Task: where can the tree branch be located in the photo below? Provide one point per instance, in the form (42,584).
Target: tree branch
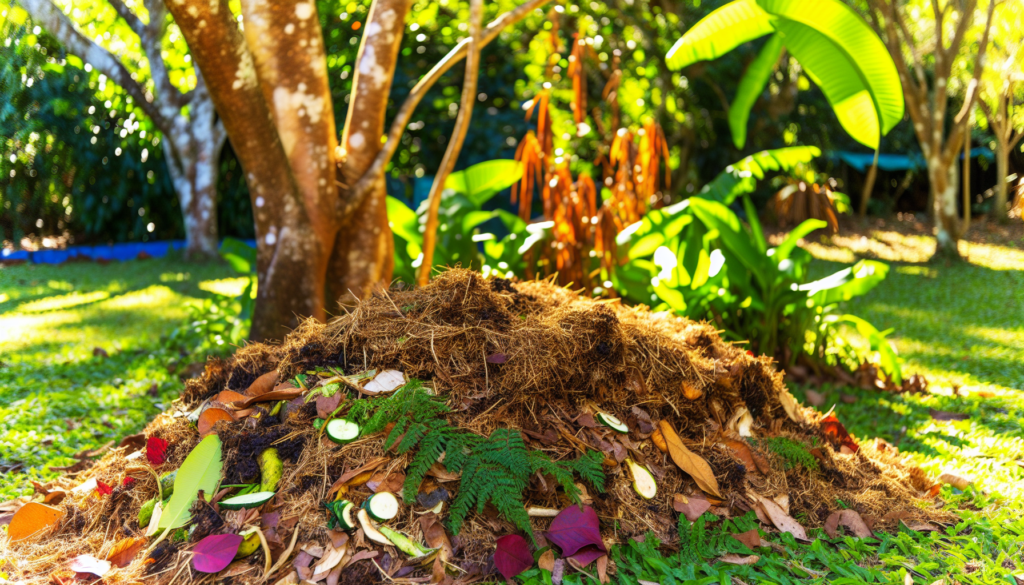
(451,154)
(972,88)
(398,125)
(46,14)
(124,12)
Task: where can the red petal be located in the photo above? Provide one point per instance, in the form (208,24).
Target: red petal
(156,450)
(104,489)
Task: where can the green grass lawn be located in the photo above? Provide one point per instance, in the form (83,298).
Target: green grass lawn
(960,325)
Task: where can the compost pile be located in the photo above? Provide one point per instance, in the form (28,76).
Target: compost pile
(635,416)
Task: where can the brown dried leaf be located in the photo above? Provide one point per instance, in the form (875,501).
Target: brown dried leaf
(848,519)
(435,536)
(743,453)
(735,559)
(326,405)
(781,519)
(210,417)
(793,409)
(750,539)
(125,550)
(957,481)
(263,384)
(689,461)
(229,396)
(282,392)
(815,399)
(602,569)
(690,506)
(348,475)
(380,482)
(547,560)
(659,441)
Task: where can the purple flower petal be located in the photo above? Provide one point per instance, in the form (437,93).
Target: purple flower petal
(574,529)
(215,552)
(512,555)
(497,358)
(587,555)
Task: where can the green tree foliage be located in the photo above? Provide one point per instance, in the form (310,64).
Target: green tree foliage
(76,156)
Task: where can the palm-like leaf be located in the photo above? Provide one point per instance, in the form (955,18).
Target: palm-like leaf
(836,48)
(751,86)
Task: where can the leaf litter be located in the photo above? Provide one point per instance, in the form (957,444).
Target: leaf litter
(698,413)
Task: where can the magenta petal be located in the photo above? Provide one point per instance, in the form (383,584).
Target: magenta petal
(574,529)
(512,555)
(497,358)
(587,555)
(215,552)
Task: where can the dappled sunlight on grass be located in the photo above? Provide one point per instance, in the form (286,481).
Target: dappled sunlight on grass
(230,287)
(59,302)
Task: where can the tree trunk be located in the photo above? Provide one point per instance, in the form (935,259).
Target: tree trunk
(942,178)
(999,212)
(869,186)
(966,194)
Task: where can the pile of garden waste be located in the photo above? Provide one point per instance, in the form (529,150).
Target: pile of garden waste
(445,434)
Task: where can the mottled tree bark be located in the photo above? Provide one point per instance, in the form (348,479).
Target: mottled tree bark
(289,283)
(1000,121)
(927,103)
(191,142)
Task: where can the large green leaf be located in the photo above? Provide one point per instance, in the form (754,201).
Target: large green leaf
(741,177)
(720,32)
(241,256)
(201,470)
(843,26)
(800,231)
(852,282)
(751,86)
(481,181)
(403,222)
(839,78)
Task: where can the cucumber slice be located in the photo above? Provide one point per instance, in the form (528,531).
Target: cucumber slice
(382,506)
(370,530)
(643,481)
(248,501)
(346,518)
(612,422)
(342,431)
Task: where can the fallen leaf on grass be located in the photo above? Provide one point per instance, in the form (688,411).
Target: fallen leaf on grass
(781,519)
(815,399)
(547,560)
(944,415)
(210,417)
(215,552)
(750,539)
(602,569)
(835,430)
(89,564)
(735,559)
(125,550)
(574,529)
(32,519)
(689,461)
(690,506)
(957,481)
(848,519)
(512,556)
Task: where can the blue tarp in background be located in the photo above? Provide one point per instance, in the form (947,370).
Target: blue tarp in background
(861,162)
(109,252)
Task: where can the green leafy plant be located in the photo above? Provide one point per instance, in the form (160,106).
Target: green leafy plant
(494,469)
(837,49)
(697,258)
(793,452)
(461,216)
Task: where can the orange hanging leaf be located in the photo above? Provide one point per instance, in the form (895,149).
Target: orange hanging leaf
(33,519)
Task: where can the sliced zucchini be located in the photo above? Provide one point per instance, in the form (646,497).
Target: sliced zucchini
(382,506)
(612,422)
(370,530)
(406,544)
(643,481)
(248,501)
(346,518)
(342,431)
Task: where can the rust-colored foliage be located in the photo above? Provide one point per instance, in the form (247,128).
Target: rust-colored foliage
(800,201)
(582,243)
